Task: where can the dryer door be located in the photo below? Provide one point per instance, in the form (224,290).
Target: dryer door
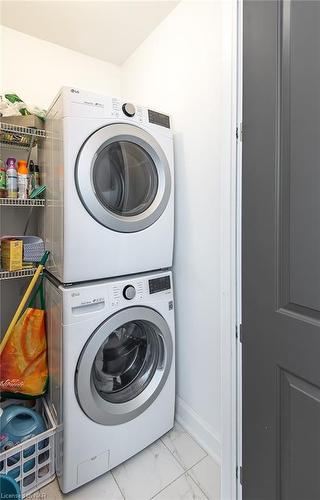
(123,177)
(124,365)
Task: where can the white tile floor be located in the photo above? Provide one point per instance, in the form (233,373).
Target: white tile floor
(173,468)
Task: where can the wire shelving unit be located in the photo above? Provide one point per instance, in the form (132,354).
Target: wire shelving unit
(21,273)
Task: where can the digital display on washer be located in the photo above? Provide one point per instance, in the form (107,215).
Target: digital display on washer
(159,118)
(159,284)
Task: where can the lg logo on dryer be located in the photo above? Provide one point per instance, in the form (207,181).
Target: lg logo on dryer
(75,91)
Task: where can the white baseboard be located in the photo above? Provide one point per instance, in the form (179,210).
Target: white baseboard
(198,428)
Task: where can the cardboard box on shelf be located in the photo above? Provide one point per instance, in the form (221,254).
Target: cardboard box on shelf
(11,254)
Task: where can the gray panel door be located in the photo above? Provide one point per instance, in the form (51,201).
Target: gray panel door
(281,251)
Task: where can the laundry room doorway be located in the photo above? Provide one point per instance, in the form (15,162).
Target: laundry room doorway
(141,176)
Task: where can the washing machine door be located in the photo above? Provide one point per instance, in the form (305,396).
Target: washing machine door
(123,177)
(124,365)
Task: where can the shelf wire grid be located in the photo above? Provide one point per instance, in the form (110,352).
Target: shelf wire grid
(21,273)
(17,136)
(15,202)
(18,129)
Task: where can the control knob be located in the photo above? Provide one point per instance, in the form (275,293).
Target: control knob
(129,109)
(129,292)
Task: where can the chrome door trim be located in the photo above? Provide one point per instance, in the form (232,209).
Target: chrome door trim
(93,405)
(86,157)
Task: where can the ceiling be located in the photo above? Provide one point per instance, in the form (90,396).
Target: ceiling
(107,30)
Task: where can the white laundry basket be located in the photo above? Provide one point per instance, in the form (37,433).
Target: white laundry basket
(43,470)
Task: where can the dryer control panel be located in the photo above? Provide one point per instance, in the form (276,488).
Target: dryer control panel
(121,109)
(77,103)
(138,113)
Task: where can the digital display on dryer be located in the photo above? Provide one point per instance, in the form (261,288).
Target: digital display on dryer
(158,118)
(159,284)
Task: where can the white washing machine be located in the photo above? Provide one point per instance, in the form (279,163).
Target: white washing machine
(112,343)
(108,168)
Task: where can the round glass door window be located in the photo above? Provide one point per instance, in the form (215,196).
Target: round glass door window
(125,178)
(126,362)
(124,365)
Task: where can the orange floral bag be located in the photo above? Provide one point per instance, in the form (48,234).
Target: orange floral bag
(23,361)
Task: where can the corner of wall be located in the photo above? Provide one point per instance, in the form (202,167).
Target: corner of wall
(198,428)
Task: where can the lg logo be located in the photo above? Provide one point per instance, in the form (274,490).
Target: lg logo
(75,91)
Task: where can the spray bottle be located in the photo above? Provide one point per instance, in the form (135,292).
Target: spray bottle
(12,178)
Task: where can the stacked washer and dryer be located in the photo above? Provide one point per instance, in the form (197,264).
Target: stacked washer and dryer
(109,224)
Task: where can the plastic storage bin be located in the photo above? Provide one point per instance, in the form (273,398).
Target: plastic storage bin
(33,248)
(16,461)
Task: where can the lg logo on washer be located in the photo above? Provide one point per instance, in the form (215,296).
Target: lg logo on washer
(75,91)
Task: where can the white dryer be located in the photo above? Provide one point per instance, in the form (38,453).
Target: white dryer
(112,343)
(108,168)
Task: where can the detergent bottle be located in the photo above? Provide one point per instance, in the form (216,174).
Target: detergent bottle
(23,180)
(18,424)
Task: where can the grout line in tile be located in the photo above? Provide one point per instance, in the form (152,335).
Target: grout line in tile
(200,488)
(194,439)
(185,473)
(186,432)
(171,482)
(198,462)
(186,470)
(179,477)
(198,484)
(121,492)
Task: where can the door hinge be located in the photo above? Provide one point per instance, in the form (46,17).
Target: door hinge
(239,474)
(239,132)
(241,333)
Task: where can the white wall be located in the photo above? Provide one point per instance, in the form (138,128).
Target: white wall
(179,70)
(36,69)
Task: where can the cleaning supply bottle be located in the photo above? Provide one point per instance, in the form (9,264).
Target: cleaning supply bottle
(36,176)
(12,178)
(23,180)
(3,180)
(31,183)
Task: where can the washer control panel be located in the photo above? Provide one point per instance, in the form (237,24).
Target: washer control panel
(134,291)
(126,292)
(129,292)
